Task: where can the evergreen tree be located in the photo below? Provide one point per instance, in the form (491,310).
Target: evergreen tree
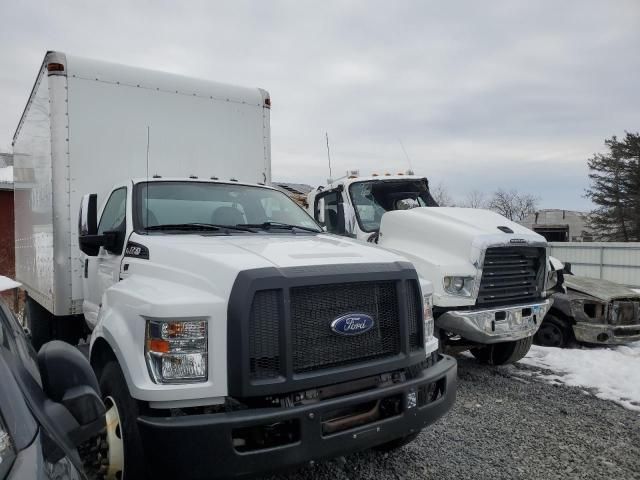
(615,190)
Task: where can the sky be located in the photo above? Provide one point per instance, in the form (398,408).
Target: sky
(482,95)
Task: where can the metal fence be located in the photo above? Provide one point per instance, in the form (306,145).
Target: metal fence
(615,261)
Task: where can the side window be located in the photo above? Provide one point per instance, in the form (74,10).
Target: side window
(326,211)
(113,216)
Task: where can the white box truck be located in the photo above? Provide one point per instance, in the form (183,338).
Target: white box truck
(230,335)
(491,276)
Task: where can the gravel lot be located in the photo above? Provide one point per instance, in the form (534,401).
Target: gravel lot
(506,425)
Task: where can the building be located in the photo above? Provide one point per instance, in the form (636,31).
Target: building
(559,225)
(7,256)
(297,191)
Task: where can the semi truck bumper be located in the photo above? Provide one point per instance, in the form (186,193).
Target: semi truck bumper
(606,334)
(503,324)
(228,444)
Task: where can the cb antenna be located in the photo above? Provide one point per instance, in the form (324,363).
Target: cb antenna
(326,134)
(406,155)
(146,222)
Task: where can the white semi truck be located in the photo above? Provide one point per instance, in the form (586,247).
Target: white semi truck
(230,335)
(490,275)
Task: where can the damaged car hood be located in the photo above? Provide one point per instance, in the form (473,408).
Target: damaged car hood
(601,289)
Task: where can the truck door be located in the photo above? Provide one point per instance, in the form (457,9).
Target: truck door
(328,211)
(103,270)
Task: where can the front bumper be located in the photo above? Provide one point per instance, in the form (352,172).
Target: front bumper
(200,446)
(606,334)
(495,325)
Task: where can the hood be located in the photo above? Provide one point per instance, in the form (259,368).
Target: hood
(601,289)
(452,232)
(273,250)
(203,261)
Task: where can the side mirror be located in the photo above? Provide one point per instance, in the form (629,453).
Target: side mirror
(69,380)
(567,268)
(88,225)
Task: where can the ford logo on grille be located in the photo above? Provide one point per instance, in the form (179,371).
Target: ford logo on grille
(352,324)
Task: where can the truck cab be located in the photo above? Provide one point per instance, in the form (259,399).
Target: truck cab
(211,297)
(489,274)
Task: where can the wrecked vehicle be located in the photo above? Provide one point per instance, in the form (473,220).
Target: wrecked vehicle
(591,311)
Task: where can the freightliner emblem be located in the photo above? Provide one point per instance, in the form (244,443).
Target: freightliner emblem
(352,324)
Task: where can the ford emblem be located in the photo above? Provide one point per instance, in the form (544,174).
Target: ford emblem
(352,324)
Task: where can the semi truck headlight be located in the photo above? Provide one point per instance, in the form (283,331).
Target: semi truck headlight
(177,351)
(455,285)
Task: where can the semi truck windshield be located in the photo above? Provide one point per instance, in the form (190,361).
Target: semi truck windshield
(183,204)
(372,199)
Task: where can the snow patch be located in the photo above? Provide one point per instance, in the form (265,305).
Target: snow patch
(7,283)
(611,373)
(6,175)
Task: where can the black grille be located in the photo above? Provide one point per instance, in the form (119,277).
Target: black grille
(414,314)
(313,308)
(511,275)
(264,335)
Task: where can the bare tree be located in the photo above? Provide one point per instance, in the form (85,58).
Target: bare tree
(441,195)
(475,199)
(513,204)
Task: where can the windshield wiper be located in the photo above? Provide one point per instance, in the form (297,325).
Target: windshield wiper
(286,226)
(197,227)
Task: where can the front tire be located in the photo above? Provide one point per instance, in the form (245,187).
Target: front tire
(124,453)
(554,332)
(503,353)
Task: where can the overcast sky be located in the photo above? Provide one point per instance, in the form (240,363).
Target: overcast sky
(483,95)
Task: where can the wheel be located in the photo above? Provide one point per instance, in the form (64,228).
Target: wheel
(38,322)
(397,443)
(121,454)
(503,353)
(554,332)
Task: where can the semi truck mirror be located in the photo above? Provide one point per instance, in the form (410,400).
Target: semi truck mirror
(88,240)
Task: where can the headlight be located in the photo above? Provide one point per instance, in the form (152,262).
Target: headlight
(177,351)
(462,286)
(430,342)
(7,452)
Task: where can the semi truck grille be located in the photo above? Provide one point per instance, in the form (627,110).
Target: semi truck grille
(312,345)
(511,275)
(316,346)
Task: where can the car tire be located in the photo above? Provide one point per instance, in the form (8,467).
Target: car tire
(397,443)
(128,445)
(503,353)
(554,332)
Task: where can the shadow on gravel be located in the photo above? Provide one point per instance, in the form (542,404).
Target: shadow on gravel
(504,426)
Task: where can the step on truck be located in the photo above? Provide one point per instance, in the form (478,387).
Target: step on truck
(490,275)
(229,334)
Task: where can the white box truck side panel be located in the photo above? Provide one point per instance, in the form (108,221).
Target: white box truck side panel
(34,196)
(195,128)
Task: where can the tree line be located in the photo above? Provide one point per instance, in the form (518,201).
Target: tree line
(614,190)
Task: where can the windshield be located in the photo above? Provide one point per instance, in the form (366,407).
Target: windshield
(372,199)
(203,203)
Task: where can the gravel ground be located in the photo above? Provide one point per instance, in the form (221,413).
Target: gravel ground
(506,425)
